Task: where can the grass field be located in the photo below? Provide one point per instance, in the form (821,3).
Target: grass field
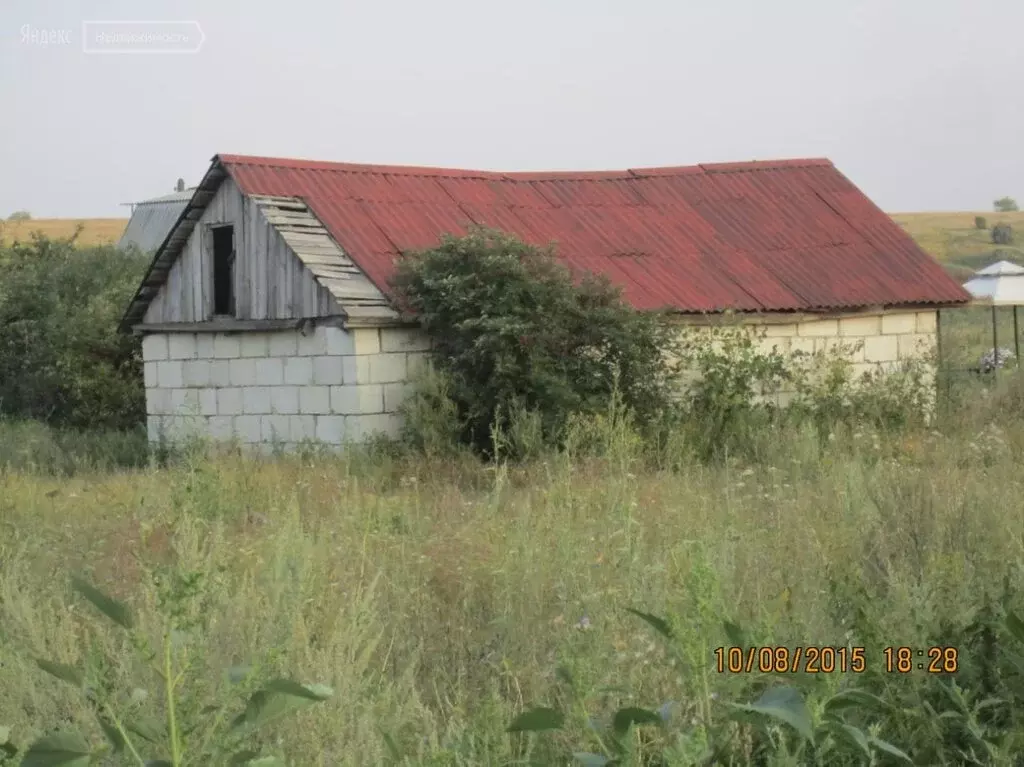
(95,231)
(438,599)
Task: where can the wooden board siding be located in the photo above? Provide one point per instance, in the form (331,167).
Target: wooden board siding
(270,281)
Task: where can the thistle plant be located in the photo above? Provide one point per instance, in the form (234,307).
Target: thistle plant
(180,732)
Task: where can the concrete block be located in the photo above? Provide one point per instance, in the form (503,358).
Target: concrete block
(220,373)
(314,344)
(822,327)
(253,344)
(283,343)
(403,340)
(359,428)
(243,372)
(220,427)
(330,429)
(355,370)
(298,371)
(284,399)
(154,427)
(248,428)
(869,325)
(339,341)
(801,345)
(881,349)
(916,345)
(270,372)
(396,393)
(415,362)
(149,374)
(226,347)
(387,368)
(184,401)
(181,346)
(328,371)
(927,322)
(196,372)
(169,374)
(315,400)
(275,428)
(898,324)
(207,401)
(366,341)
(356,399)
(158,401)
(256,400)
(301,428)
(154,347)
(771,330)
(768,344)
(204,346)
(229,401)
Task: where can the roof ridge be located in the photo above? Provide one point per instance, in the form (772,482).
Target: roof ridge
(548,175)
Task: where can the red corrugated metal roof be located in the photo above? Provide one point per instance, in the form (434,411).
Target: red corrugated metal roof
(756,236)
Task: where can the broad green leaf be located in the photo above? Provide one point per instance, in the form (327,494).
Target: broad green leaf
(889,748)
(591,760)
(1015,626)
(628,717)
(737,637)
(65,673)
(659,624)
(243,757)
(856,699)
(116,611)
(848,734)
(113,735)
(8,751)
(5,734)
(61,749)
(537,720)
(784,704)
(278,698)
(146,727)
(313,692)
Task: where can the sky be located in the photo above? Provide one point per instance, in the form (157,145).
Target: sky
(914,100)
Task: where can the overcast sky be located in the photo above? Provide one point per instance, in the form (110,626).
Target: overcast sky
(917,101)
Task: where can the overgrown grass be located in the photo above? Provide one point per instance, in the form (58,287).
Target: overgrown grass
(439,597)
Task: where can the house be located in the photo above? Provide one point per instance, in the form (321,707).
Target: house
(266,315)
(151,220)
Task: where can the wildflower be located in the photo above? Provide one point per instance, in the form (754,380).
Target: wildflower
(583,624)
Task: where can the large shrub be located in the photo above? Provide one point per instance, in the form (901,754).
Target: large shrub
(515,332)
(61,358)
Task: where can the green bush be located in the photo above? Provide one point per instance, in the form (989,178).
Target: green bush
(980,222)
(61,358)
(1002,234)
(514,333)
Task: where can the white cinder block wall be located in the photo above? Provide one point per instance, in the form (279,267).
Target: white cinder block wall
(279,387)
(872,342)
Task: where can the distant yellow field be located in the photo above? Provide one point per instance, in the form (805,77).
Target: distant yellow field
(951,237)
(95,231)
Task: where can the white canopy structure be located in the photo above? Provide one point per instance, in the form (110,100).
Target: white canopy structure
(1001,284)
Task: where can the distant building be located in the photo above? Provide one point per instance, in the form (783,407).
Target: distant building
(266,313)
(152,220)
